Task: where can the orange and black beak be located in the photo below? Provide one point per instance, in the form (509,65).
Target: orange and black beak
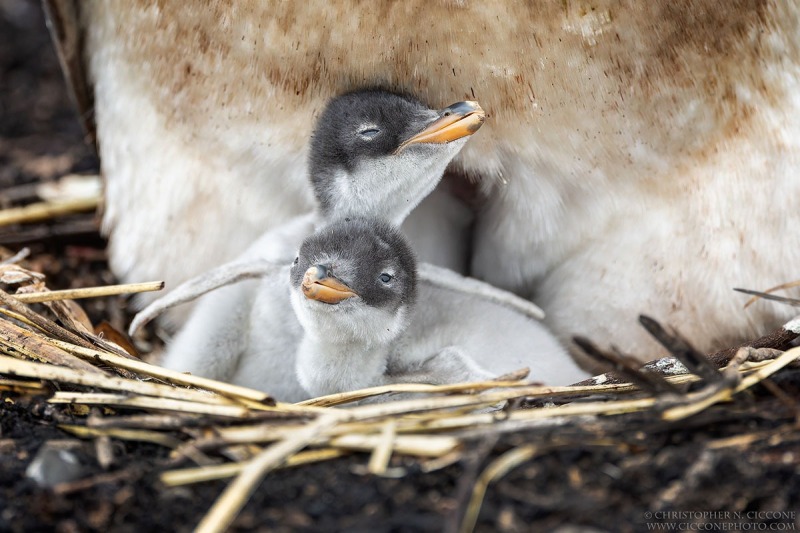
(458,120)
(318,284)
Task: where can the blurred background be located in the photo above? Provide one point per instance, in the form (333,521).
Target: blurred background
(44,159)
(40,137)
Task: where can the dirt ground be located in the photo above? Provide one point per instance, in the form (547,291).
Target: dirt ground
(624,473)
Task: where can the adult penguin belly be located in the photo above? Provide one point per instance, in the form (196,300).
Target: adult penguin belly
(636,158)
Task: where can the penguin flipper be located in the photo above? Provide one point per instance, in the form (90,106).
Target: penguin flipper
(227,274)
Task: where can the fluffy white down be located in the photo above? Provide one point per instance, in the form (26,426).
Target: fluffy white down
(494,338)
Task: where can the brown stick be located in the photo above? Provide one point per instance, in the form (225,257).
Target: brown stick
(626,368)
(27,343)
(54,329)
(46,210)
(89,292)
(778,339)
(41,322)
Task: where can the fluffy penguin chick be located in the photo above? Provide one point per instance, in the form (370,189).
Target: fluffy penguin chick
(365,323)
(353,286)
(349,313)
(378,154)
(373,153)
(261,345)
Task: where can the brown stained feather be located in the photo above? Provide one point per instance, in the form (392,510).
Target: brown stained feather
(686,54)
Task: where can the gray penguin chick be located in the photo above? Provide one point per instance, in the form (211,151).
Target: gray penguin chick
(366,322)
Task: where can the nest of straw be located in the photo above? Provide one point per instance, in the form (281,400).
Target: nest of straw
(52,352)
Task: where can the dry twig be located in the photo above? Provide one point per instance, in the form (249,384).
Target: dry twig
(89,292)
(46,210)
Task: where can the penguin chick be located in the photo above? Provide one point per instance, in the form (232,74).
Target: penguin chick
(365,322)
(261,334)
(353,286)
(378,154)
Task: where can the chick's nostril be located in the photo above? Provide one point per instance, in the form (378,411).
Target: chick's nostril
(322,271)
(462,108)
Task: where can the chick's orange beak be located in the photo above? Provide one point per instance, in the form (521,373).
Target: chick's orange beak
(319,285)
(458,120)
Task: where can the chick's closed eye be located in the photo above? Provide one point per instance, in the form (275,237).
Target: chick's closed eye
(369,133)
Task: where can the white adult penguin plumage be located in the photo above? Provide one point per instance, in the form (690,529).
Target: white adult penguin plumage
(345,315)
(639,156)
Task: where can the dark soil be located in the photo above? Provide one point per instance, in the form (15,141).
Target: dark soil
(607,474)
(618,473)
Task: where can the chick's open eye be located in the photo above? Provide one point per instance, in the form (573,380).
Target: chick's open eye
(369,133)
(296,260)
(385,278)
